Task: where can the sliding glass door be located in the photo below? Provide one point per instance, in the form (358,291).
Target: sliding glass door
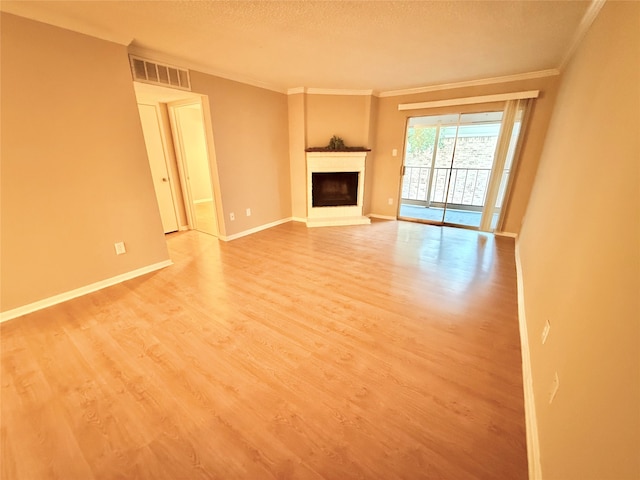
(457,167)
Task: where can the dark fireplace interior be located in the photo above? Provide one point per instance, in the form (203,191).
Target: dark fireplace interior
(334,189)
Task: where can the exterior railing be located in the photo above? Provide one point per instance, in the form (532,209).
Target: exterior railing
(467,186)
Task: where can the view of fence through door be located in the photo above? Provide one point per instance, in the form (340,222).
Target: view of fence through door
(457,166)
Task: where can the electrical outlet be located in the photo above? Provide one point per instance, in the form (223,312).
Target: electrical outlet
(394,152)
(554,387)
(390,201)
(248,212)
(545,331)
(120,248)
(232,216)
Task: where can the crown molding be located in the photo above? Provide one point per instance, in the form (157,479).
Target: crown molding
(472,83)
(586,22)
(330,91)
(163,57)
(337,91)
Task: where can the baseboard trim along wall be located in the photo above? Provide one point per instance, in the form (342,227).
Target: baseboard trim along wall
(78,292)
(254,230)
(382,217)
(533,442)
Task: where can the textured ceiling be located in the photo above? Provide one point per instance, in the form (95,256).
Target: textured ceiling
(379,45)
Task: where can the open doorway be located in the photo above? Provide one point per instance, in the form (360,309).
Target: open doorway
(179,152)
(187,126)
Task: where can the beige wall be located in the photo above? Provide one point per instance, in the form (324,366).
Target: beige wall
(297,159)
(371,116)
(250,132)
(343,115)
(391,135)
(580,249)
(75,175)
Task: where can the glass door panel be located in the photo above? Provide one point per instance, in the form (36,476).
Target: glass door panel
(471,166)
(457,166)
(428,144)
(418,159)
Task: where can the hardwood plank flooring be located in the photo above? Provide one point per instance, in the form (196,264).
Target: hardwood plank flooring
(205,220)
(384,351)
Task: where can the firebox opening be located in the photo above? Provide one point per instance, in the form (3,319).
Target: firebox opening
(334,189)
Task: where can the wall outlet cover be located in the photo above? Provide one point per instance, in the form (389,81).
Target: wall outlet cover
(120,248)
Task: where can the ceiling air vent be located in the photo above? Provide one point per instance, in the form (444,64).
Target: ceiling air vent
(147,71)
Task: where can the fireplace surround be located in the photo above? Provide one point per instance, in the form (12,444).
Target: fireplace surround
(335,188)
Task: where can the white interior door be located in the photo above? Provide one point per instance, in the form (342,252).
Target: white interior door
(158,163)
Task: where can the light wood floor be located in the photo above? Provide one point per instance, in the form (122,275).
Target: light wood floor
(205,221)
(378,352)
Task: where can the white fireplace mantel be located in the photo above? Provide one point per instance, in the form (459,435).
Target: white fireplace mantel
(325,162)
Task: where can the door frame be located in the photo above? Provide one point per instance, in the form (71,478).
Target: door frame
(183,168)
(504,107)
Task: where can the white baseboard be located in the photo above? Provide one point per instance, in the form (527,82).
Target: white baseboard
(299,219)
(78,292)
(533,441)
(337,221)
(382,217)
(254,230)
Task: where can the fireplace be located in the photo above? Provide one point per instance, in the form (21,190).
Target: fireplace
(335,188)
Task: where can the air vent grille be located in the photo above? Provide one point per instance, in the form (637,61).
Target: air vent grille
(148,71)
